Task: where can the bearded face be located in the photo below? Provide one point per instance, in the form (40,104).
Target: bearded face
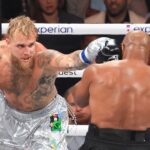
(117,7)
(24,67)
(22,49)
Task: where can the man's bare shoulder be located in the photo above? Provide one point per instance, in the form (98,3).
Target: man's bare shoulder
(106,65)
(40,47)
(103,69)
(4,51)
(45,56)
(43,50)
(3,45)
(92,70)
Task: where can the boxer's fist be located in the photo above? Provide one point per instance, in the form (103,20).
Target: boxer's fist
(89,54)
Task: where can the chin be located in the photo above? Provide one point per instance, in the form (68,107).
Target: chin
(26,66)
(22,66)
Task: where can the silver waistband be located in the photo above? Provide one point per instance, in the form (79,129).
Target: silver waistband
(39,113)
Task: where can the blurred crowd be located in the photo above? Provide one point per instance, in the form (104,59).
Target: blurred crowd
(76,11)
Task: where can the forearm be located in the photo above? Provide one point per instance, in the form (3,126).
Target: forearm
(70,61)
(80,99)
(57,61)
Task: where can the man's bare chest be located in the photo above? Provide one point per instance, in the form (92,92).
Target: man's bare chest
(20,83)
(16,82)
(40,83)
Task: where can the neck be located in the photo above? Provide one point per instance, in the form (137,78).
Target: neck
(137,57)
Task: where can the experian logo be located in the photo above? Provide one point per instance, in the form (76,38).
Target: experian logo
(144,28)
(55,30)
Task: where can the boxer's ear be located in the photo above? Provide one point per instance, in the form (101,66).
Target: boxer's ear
(123,49)
(7,39)
(122,46)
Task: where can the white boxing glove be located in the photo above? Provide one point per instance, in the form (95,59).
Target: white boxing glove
(88,55)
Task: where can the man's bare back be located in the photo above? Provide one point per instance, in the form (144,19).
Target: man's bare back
(120,95)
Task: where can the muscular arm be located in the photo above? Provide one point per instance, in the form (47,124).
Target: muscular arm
(51,59)
(80,91)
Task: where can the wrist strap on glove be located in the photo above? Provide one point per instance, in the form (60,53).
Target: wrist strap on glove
(83,57)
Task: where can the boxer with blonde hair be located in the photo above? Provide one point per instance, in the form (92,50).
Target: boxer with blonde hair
(32,114)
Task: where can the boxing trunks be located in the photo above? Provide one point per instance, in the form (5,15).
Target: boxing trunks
(44,129)
(116,139)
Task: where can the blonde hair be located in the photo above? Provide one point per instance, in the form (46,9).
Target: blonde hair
(23,25)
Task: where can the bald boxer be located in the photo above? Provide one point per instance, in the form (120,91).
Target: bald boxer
(32,115)
(118,94)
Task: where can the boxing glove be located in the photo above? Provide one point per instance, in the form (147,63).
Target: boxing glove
(88,55)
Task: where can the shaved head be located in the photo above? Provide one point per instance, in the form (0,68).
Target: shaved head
(140,35)
(136,45)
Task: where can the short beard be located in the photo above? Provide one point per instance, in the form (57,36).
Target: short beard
(20,68)
(118,13)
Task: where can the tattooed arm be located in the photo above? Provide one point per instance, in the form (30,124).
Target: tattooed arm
(76,60)
(52,59)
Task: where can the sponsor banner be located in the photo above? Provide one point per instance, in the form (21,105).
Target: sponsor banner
(86,29)
(80,29)
(138,27)
(71,74)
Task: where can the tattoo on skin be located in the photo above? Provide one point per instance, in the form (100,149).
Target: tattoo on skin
(72,63)
(2,46)
(44,59)
(78,64)
(44,87)
(18,79)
